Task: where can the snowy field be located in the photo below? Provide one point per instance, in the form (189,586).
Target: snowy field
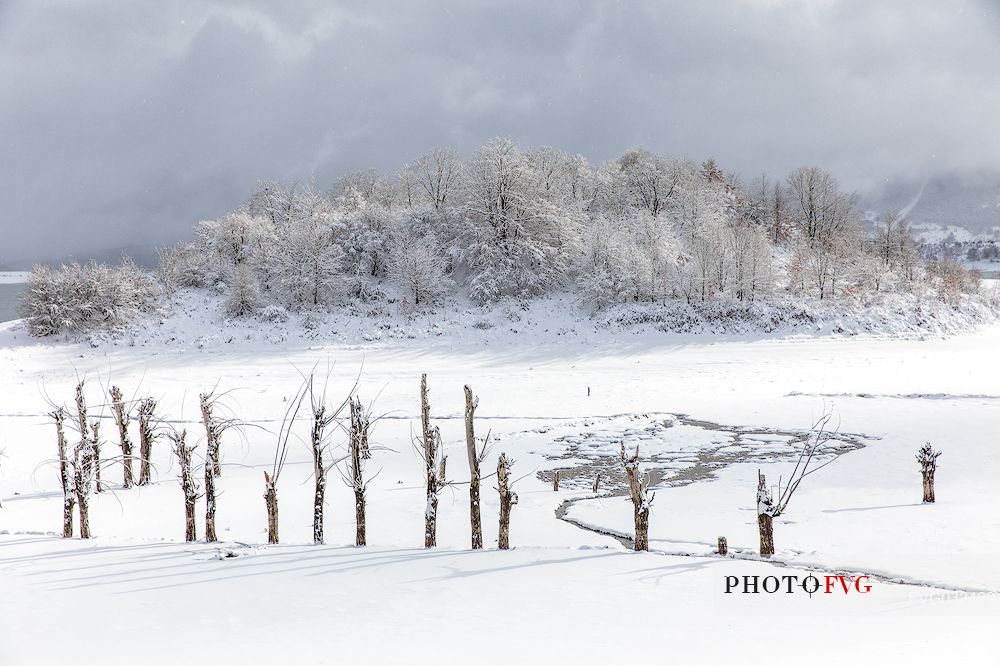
(706,411)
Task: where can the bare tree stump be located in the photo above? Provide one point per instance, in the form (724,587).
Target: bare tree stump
(508,499)
(189,485)
(555,481)
(765,519)
(434,462)
(359,445)
(146,437)
(927,457)
(65,478)
(474,456)
(597,484)
(723,546)
(271,500)
(122,417)
(642,498)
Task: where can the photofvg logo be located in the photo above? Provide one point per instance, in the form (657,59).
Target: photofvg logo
(839,584)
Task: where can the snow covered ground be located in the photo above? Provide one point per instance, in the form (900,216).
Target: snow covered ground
(137,594)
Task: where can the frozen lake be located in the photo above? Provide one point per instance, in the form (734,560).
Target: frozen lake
(9,295)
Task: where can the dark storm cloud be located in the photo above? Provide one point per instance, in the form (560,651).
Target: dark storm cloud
(123,123)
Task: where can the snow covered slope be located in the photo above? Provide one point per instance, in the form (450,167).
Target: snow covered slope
(135,593)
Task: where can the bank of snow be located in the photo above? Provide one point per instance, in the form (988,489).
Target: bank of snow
(196,318)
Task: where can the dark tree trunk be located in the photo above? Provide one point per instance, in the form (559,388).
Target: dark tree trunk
(65,478)
(189,486)
(271,500)
(640,498)
(765,521)
(211,435)
(723,546)
(508,499)
(121,416)
(765,524)
(210,534)
(597,483)
(431,448)
(555,481)
(82,468)
(928,478)
(358,445)
(473,453)
(146,437)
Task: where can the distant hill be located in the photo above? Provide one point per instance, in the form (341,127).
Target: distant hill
(144,255)
(958,207)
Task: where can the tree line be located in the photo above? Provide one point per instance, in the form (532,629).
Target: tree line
(517,223)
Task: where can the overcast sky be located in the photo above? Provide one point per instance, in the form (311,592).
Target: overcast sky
(125,122)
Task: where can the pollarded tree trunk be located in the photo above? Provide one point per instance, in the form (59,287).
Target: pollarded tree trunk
(189,486)
(65,478)
(927,457)
(319,471)
(641,498)
(146,437)
(765,525)
(928,479)
(212,434)
(765,521)
(83,466)
(359,446)
(508,499)
(271,500)
(473,453)
(210,506)
(434,464)
(122,416)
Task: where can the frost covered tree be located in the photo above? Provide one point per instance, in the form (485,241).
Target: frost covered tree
(243,297)
(521,240)
(436,176)
(417,266)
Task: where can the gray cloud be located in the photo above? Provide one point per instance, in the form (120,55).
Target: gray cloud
(124,123)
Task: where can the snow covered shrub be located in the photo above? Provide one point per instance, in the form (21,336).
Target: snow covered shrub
(243,295)
(417,266)
(183,265)
(77,298)
(274,314)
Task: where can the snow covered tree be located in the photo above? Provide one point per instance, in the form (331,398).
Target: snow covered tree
(243,295)
(436,175)
(417,266)
(521,240)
